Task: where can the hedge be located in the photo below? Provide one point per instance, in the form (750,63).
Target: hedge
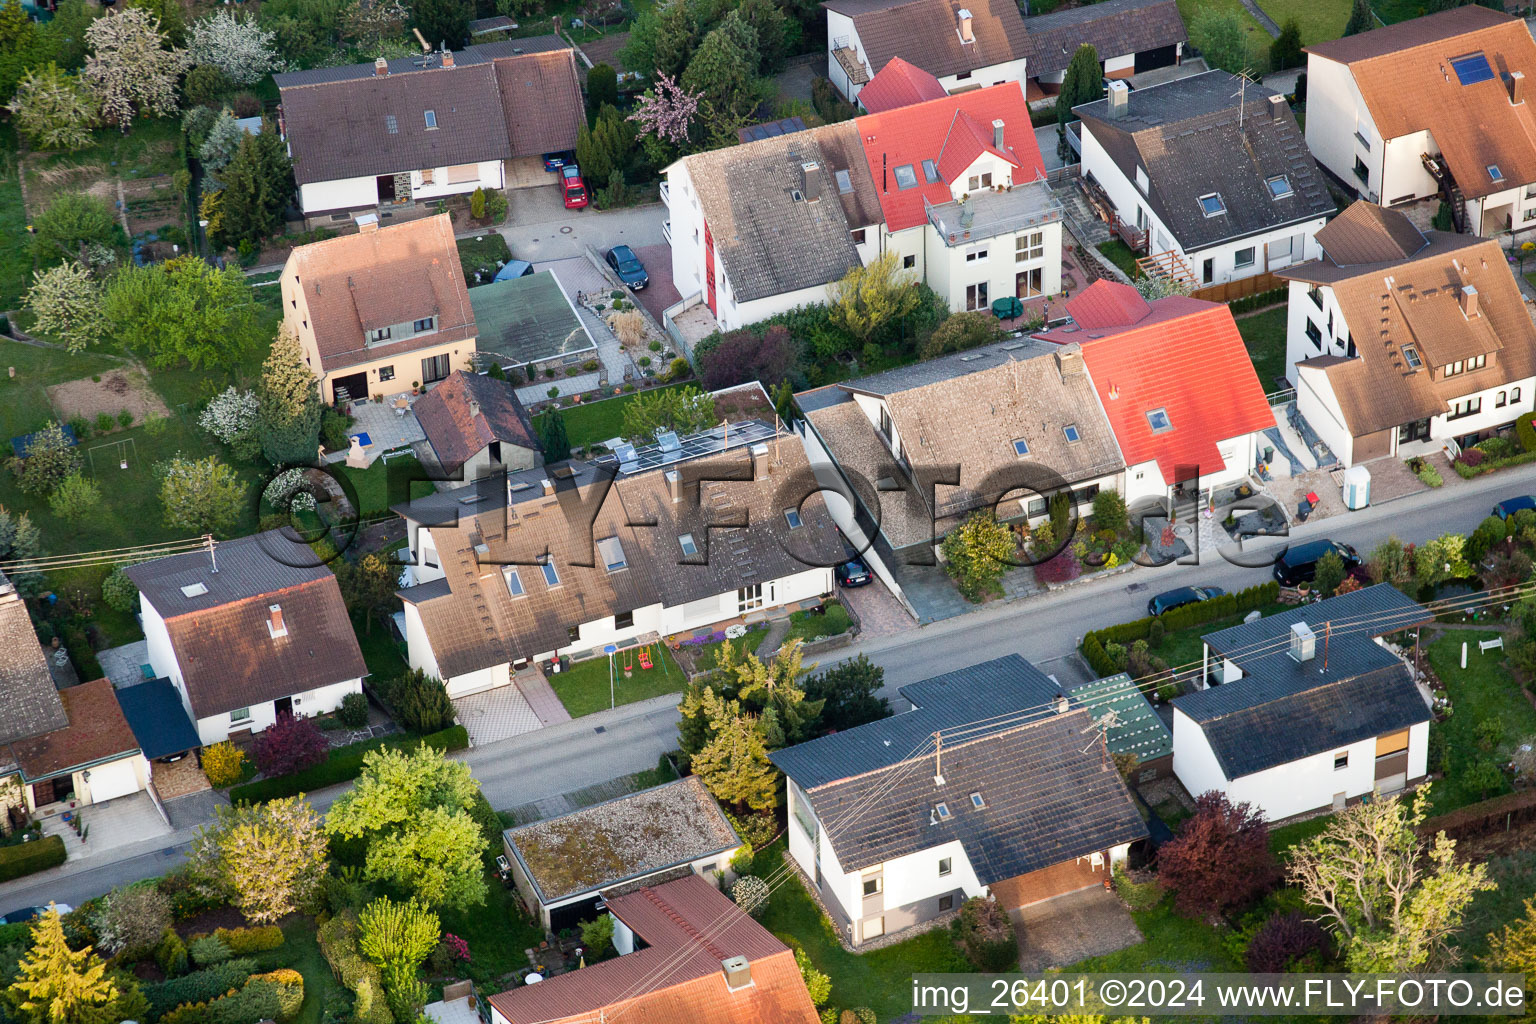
(1249,303)
(197,987)
(1525,431)
(247,940)
(344,765)
(259,999)
(18,934)
(1467,472)
(30,858)
(490,823)
(338,941)
(1127,633)
(1479,819)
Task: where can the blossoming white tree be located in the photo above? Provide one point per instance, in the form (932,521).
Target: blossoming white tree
(66,300)
(53,109)
(129,66)
(668,111)
(239,47)
(231,413)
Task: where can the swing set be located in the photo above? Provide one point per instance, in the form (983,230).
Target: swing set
(645,659)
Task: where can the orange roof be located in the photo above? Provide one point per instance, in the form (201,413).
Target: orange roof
(1107,303)
(1193,366)
(952,132)
(899,84)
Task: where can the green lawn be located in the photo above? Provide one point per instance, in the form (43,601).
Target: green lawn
(584,687)
(1121,256)
(1320,20)
(1184,648)
(381,652)
(15,256)
(497,934)
(707,653)
(1515,874)
(1258,39)
(1286,836)
(1171,943)
(1264,335)
(809,625)
(301,952)
(383,484)
(480,253)
(1393,11)
(1483,692)
(593,422)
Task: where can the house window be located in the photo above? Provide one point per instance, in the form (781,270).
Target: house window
(977,182)
(423,326)
(426,176)
(1029,282)
(1212,206)
(1501,400)
(908,262)
(977,801)
(906,177)
(1316,295)
(1141,179)
(1530,191)
(946,903)
(624,620)
(382,334)
(844,182)
(750,597)
(390,125)
(1158,420)
(1083,495)
(386,373)
(1315,333)
(873,886)
(1453,369)
(1279,186)
(885,424)
(239,715)
(976,296)
(1466,407)
(514,581)
(551,575)
(1494,174)
(573,634)
(792,517)
(689,547)
(1029,246)
(858,236)
(1529,215)
(1036,507)
(1020,447)
(1243,257)
(612,554)
(1341,761)
(1514,396)
(1362,172)
(1070,430)
(1411,356)
(976,255)
(930,172)
(434,368)
(945,866)
(1476,363)
(431,117)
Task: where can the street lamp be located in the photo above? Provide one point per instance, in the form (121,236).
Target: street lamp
(611,650)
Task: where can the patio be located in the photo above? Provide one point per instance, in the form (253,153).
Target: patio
(1070,928)
(385,426)
(125,665)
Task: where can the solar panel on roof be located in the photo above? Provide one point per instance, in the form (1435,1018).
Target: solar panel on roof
(1472,68)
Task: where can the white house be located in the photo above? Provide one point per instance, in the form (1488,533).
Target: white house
(1312,710)
(1210,192)
(658,542)
(248,630)
(1432,106)
(965,44)
(95,758)
(896,826)
(1399,341)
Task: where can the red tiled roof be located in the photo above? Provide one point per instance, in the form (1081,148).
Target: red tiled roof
(910,135)
(899,84)
(1193,365)
(1107,303)
(966,141)
(690,927)
(96,732)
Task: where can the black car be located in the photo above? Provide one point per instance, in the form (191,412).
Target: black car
(853,573)
(1171,599)
(628,266)
(1298,563)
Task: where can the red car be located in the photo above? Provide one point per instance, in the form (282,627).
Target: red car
(575,189)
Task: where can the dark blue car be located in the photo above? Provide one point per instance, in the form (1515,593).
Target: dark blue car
(627,265)
(853,573)
(1171,599)
(1509,506)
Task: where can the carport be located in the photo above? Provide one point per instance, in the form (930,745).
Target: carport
(159,720)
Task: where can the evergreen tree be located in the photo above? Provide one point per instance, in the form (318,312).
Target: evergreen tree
(591,156)
(1083,83)
(258,185)
(662,40)
(735,766)
(58,985)
(724,69)
(1285,51)
(1360,18)
(602,88)
(290,405)
(552,437)
(773,690)
(773,30)
(441,21)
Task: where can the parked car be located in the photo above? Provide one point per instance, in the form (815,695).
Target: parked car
(554,161)
(575,189)
(853,573)
(1298,563)
(1509,506)
(628,266)
(1177,598)
(26,914)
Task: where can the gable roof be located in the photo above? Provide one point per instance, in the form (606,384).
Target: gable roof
(29,702)
(899,84)
(1189,138)
(218,621)
(688,927)
(97,732)
(541,100)
(1186,358)
(466,412)
(927,32)
(1366,233)
(1113,28)
(1405,76)
(479,53)
(1108,304)
(391,275)
(924,131)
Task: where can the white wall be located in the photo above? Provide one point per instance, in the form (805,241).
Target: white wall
(162,656)
(1319,406)
(306,704)
(489,176)
(950,273)
(839,27)
(1441,427)
(1335,112)
(992,74)
(1333,331)
(341,194)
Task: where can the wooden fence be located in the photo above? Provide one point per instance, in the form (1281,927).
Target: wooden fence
(1239,289)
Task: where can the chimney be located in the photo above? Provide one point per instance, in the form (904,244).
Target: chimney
(1516,83)
(381,68)
(447,57)
(1069,360)
(760,462)
(1468,301)
(675,485)
(1277,107)
(1303,643)
(997,133)
(549,485)
(1063,705)
(738,972)
(1119,98)
(474,409)
(275,624)
(810,181)
(367,223)
(966,33)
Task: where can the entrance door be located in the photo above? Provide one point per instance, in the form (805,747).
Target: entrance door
(386,188)
(283,706)
(1027,284)
(1418,430)
(1208,270)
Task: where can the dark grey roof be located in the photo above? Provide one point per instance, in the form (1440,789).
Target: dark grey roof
(1114,28)
(480,53)
(949,367)
(158,718)
(1185,134)
(1007,686)
(247,567)
(29,703)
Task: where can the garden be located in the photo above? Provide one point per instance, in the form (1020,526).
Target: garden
(584,686)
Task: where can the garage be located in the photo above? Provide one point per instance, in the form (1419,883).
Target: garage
(1046,883)
(1157,57)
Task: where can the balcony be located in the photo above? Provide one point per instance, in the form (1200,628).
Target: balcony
(990,214)
(666,194)
(666,229)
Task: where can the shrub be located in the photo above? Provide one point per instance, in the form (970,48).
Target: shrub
(76,498)
(130,922)
(1471,457)
(199,986)
(857,1015)
(751,894)
(1220,858)
(289,984)
(1288,942)
(209,950)
(105,421)
(118,591)
(224,764)
(419,702)
(338,941)
(1061,567)
(333,430)
(353,712)
(986,935)
(250,940)
(259,999)
(1137,895)
(344,765)
(50,459)
(28,858)
(597,935)
(817,984)
(1525,431)
(291,744)
(171,954)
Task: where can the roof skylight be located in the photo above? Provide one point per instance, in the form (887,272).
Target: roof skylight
(906,176)
(1279,186)
(1212,206)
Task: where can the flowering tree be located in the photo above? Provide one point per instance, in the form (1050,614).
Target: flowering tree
(53,109)
(231,413)
(667,112)
(130,67)
(268,860)
(290,745)
(66,300)
(239,47)
(200,495)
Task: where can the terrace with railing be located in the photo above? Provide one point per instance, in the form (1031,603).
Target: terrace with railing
(998,212)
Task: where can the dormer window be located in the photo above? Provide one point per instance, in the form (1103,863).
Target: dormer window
(977,182)
(1279,186)
(382,334)
(423,326)
(612,553)
(1412,358)
(431,117)
(1212,206)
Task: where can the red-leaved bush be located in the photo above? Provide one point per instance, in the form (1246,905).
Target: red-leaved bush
(1059,568)
(1471,457)
(1220,858)
(1289,942)
(290,745)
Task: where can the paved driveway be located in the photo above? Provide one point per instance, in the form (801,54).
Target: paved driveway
(540,228)
(1064,930)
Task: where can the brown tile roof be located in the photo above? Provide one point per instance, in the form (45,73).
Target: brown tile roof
(926,32)
(29,702)
(466,412)
(377,125)
(393,275)
(1417,302)
(1405,76)
(1367,233)
(627,837)
(541,96)
(689,927)
(1113,28)
(97,731)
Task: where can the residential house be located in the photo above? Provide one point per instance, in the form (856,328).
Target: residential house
(686,953)
(528,323)
(954,187)
(381,312)
(1312,710)
(1212,187)
(899,84)
(1432,106)
(1016,419)
(393,134)
(93,759)
(684,535)
(1401,341)
(1130,36)
(564,865)
(984,788)
(477,427)
(965,44)
(248,630)
(1176,383)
